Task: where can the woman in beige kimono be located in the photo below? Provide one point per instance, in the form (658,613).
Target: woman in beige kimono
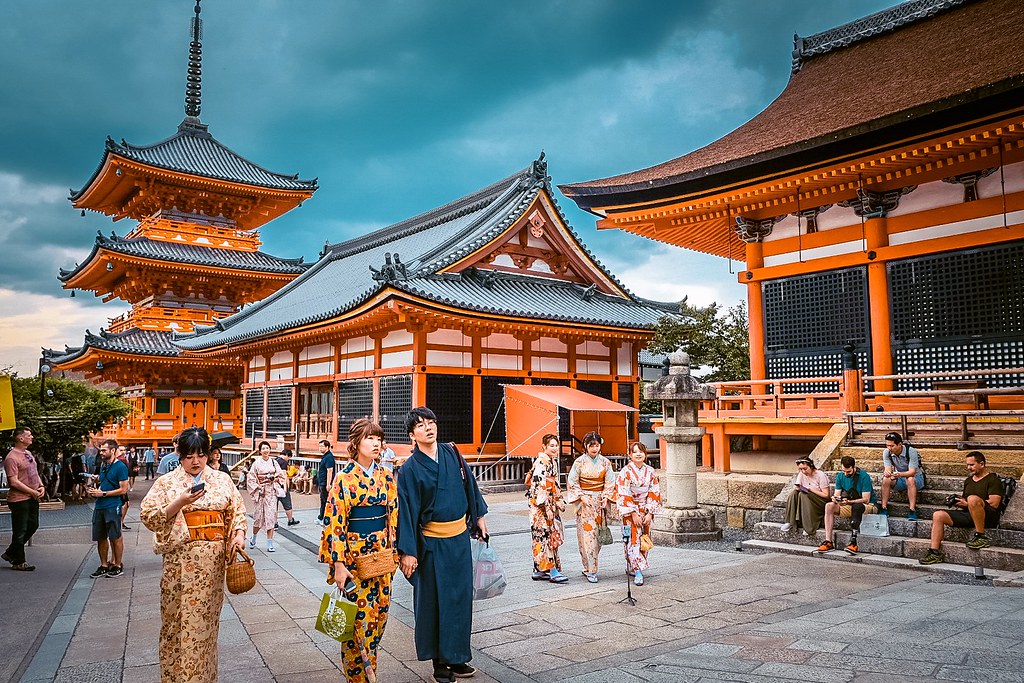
(198,519)
(546,505)
(265,480)
(591,485)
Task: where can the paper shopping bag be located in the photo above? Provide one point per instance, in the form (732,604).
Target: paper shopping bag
(336,617)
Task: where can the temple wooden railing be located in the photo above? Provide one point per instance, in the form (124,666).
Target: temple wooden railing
(962,429)
(815,396)
(794,397)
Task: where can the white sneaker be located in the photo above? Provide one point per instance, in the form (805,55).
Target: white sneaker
(252,543)
(270,547)
(785,527)
(804,532)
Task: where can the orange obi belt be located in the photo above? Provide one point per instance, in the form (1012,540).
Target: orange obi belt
(445,529)
(592,484)
(205,525)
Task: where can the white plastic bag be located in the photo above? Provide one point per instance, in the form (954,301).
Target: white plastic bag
(875,525)
(488,575)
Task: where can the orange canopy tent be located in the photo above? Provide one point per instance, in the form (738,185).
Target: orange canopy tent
(531,411)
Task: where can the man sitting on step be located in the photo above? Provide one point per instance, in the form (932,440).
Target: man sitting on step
(854,496)
(903,472)
(978,507)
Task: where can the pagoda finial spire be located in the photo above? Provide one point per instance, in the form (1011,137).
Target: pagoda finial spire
(194,86)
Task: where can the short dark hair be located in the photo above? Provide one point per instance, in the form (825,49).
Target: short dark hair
(261,444)
(194,441)
(894,437)
(847,461)
(592,437)
(977,455)
(806,461)
(361,429)
(18,431)
(325,442)
(547,437)
(286,453)
(110,443)
(417,415)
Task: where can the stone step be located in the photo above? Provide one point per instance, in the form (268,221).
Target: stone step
(996,556)
(1010,538)
(999,576)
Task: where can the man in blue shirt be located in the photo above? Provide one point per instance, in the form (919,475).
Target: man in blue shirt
(149,459)
(107,489)
(324,475)
(169,462)
(854,496)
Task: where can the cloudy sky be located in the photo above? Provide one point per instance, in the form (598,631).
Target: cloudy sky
(396,106)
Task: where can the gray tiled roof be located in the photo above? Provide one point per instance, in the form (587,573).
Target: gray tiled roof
(651,359)
(215,257)
(194,151)
(134,341)
(351,272)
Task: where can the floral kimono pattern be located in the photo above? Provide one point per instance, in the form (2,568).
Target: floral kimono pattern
(192,584)
(637,490)
(546,528)
(263,476)
(353,487)
(591,485)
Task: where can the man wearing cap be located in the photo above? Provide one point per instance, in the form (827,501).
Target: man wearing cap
(903,472)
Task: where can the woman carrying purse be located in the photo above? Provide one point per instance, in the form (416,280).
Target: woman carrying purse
(361,518)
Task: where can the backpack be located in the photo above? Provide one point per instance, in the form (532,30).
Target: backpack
(1009,488)
(920,463)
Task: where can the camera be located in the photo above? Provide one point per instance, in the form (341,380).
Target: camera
(951,500)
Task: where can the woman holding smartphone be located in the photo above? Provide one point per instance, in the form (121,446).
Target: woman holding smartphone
(806,504)
(198,519)
(361,518)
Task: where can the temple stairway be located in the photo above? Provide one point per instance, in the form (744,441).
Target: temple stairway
(910,539)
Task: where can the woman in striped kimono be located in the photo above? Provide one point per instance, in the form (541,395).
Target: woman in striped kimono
(546,505)
(638,498)
(264,481)
(591,485)
(361,517)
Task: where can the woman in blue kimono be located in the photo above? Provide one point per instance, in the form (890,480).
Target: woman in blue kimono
(439,506)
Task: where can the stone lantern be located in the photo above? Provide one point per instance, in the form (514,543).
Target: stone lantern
(681,521)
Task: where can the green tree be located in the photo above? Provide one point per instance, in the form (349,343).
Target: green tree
(716,339)
(59,422)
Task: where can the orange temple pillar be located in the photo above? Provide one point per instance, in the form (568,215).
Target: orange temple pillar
(755,313)
(878,300)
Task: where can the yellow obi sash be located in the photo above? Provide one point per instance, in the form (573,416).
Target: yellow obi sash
(445,529)
(592,484)
(205,525)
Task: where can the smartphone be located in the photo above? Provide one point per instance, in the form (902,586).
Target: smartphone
(198,487)
(350,589)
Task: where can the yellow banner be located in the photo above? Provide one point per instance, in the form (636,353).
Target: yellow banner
(6,403)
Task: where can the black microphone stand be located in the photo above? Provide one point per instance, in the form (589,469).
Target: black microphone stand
(629,599)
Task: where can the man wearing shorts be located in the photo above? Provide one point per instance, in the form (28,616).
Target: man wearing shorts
(854,496)
(107,489)
(903,472)
(977,508)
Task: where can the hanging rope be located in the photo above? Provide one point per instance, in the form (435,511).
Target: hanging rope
(1002,182)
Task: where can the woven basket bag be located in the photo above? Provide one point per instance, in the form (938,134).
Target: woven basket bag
(241,573)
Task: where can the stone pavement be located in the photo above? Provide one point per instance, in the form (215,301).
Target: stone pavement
(708,614)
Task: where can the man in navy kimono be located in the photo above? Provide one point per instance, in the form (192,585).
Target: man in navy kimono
(439,507)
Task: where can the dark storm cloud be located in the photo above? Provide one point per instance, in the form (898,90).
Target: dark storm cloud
(396,106)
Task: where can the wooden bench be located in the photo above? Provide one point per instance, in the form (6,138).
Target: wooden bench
(961,392)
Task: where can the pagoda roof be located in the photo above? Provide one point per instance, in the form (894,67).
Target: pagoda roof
(192,254)
(914,68)
(135,342)
(194,151)
(418,257)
